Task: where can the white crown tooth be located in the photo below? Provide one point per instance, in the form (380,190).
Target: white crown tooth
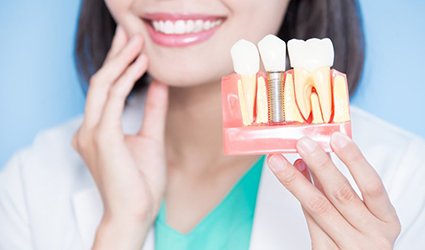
(311,54)
(246,60)
(179,27)
(155,25)
(161,26)
(168,27)
(327,52)
(207,25)
(296,51)
(198,25)
(273,53)
(190,26)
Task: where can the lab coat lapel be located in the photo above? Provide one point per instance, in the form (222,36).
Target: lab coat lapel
(88,212)
(279,222)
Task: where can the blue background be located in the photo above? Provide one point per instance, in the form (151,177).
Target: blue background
(39,87)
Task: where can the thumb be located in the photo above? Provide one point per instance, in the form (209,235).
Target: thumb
(155,113)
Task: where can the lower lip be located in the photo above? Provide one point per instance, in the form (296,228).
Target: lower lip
(180,40)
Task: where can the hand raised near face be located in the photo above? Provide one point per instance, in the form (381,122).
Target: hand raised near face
(129,170)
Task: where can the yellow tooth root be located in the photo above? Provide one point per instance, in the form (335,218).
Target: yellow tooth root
(341,100)
(242,103)
(315,106)
(249,83)
(303,89)
(323,85)
(320,80)
(292,113)
(262,105)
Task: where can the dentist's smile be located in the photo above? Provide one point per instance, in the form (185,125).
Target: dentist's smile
(180,30)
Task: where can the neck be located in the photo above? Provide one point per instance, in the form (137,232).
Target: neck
(194,124)
(194,131)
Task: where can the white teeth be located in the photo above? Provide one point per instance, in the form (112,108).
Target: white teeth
(190,26)
(156,25)
(199,24)
(180,27)
(168,27)
(273,53)
(246,60)
(311,54)
(184,26)
(207,25)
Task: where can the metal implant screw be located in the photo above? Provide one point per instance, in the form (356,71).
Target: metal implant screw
(275,89)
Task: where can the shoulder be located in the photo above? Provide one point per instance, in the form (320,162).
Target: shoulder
(51,152)
(49,167)
(36,190)
(399,158)
(397,155)
(384,143)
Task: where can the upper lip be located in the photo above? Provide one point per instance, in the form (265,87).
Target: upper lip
(155,16)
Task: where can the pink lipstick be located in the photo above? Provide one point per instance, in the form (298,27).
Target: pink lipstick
(180,30)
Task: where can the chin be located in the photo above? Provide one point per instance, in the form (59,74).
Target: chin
(189,74)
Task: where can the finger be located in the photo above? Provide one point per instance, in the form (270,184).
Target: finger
(155,112)
(104,78)
(111,118)
(119,41)
(316,181)
(315,203)
(319,239)
(367,179)
(334,184)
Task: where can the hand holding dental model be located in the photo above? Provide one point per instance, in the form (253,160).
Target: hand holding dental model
(338,217)
(276,112)
(265,113)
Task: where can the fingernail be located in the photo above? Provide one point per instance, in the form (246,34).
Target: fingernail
(307,145)
(339,140)
(300,165)
(276,162)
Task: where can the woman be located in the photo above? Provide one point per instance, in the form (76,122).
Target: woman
(161,181)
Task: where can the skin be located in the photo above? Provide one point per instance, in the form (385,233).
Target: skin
(177,154)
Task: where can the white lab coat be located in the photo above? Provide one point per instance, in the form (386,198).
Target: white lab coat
(48,199)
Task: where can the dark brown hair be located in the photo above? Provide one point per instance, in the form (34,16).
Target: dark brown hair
(337,19)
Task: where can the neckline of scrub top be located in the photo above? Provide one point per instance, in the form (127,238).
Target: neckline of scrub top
(254,172)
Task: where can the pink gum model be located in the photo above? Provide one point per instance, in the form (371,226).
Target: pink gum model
(259,139)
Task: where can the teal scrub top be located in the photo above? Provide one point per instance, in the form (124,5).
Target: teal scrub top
(227,226)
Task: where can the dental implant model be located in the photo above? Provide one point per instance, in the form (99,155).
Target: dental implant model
(269,112)
(273,53)
(247,64)
(312,61)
